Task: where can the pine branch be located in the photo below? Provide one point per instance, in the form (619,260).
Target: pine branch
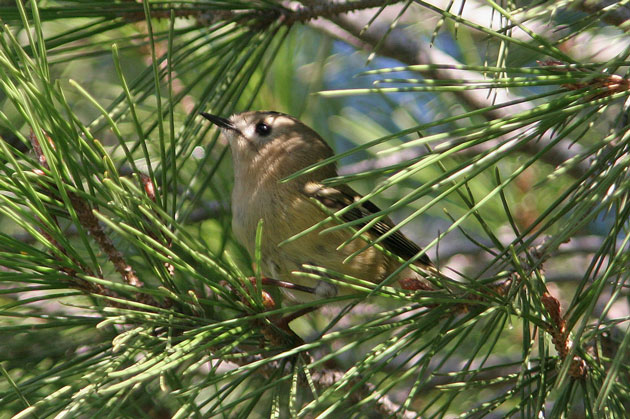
(258,19)
(560,336)
(328,10)
(89,221)
(410,343)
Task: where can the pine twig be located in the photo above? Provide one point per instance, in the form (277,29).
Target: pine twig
(560,336)
(88,220)
(259,19)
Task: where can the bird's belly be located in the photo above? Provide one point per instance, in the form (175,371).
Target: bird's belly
(282,261)
(321,250)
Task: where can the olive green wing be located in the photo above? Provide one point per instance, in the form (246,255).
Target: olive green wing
(336,198)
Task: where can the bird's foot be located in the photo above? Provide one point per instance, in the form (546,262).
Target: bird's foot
(279,332)
(415,284)
(283,284)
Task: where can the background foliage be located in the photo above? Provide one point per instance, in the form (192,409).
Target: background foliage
(495,134)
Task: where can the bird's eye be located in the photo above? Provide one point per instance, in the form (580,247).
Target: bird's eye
(263,129)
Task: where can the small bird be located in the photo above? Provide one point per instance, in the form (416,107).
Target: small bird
(269,146)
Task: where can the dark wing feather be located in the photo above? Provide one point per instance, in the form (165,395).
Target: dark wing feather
(341,196)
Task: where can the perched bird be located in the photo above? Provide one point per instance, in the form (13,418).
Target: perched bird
(268,147)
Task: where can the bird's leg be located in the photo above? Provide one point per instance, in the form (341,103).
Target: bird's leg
(283,322)
(279,332)
(283,284)
(267,300)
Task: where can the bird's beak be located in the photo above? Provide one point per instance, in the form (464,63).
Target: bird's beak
(220,122)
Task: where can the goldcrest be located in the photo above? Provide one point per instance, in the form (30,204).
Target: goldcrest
(266,148)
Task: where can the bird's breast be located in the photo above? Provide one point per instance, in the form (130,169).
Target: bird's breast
(277,207)
(286,213)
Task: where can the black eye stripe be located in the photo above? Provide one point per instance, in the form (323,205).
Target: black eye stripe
(263,129)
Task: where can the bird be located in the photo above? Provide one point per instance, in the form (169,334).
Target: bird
(269,146)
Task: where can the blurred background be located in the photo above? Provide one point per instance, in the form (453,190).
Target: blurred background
(495,134)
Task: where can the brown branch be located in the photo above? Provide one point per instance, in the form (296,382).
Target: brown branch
(609,11)
(77,283)
(261,18)
(88,220)
(332,9)
(44,163)
(560,336)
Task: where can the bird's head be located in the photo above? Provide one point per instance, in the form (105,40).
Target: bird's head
(277,140)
